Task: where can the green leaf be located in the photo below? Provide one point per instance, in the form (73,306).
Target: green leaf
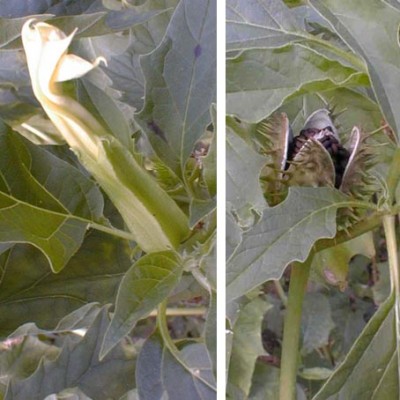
(23,351)
(78,365)
(180,83)
(20,357)
(17,9)
(44,201)
(159,374)
(372,360)
(199,209)
(378,45)
(191,380)
(210,160)
(263,24)
(211,331)
(88,24)
(10,27)
(233,234)
(12,62)
(30,292)
(243,168)
(259,81)
(246,346)
(381,289)
(350,109)
(316,322)
(148,282)
(332,264)
(148,369)
(124,67)
(265,383)
(285,233)
(106,109)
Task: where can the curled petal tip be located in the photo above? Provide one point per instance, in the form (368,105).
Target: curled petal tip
(100,60)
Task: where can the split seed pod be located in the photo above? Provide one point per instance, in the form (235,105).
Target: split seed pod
(275,138)
(316,157)
(314,153)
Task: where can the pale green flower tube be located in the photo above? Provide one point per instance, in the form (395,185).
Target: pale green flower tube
(155,220)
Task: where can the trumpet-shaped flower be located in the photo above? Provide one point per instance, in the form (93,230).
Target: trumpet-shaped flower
(154,219)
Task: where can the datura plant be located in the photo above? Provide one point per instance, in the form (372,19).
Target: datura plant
(154,219)
(313,157)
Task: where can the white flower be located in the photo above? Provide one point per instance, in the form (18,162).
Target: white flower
(49,64)
(155,220)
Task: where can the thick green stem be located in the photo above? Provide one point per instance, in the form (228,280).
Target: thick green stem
(391,244)
(291,335)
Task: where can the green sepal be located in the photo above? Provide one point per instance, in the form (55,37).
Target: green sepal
(152,216)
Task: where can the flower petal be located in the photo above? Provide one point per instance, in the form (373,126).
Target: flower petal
(71,66)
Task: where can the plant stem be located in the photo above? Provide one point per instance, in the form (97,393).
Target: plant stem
(391,244)
(112,231)
(291,334)
(366,225)
(393,177)
(163,328)
(182,312)
(281,292)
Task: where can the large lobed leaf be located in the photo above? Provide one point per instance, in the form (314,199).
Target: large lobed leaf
(28,346)
(285,233)
(124,67)
(243,168)
(259,24)
(361,26)
(180,83)
(29,291)
(44,201)
(78,365)
(260,80)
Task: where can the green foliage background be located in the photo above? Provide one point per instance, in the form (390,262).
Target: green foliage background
(297,57)
(83,332)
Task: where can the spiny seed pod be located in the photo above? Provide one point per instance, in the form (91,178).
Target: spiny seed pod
(357,182)
(316,157)
(275,139)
